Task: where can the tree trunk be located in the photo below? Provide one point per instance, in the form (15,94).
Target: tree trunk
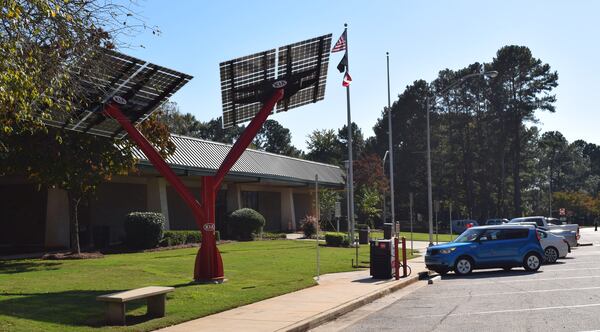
(517,167)
(75,247)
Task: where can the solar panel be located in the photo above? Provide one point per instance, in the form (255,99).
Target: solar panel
(108,74)
(247,82)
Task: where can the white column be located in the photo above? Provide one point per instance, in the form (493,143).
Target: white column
(288,217)
(57,219)
(156,197)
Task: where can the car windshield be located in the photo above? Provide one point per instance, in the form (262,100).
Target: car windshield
(469,235)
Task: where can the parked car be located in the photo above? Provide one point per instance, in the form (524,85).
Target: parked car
(554,246)
(495,221)
(543,222)
(459,226)
(481,247)
(570,236)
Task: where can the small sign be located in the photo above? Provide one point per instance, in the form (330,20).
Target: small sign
(562,212)
(119,100)
(338,209)
(209,227)
(279,84)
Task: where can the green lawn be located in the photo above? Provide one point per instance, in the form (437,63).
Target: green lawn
(38,295)
(418,236)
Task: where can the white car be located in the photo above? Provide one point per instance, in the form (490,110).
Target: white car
(554,246)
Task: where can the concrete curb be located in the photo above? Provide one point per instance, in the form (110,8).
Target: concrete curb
(342,309)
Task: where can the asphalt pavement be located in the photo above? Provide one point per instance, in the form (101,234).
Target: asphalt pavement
(559,297)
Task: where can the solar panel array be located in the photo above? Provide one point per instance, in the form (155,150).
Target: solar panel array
(144,86)
(246,82)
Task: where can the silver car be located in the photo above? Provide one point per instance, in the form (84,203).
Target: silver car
(570,236)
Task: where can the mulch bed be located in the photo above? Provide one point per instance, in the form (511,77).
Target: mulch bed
(68,255)
(117,250)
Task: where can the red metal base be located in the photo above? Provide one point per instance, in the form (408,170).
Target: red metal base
(209,265)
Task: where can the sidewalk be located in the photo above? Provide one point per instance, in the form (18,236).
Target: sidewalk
(335,295)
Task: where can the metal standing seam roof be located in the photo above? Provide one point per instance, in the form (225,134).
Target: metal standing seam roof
(193,154)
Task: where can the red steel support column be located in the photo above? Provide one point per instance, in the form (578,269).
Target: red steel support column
(246,138)
(156,159)
(404,272)
(208,265)
(396,259)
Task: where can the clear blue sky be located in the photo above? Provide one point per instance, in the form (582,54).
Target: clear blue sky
(422,37)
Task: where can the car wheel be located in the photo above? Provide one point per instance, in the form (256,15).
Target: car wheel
(532,262)
(508,268)
(551,255)
(463,266)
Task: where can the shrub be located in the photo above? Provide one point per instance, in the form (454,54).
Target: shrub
(336,240)
(309,226)
(269,236)
(143,230)
(175,238)
(244,222)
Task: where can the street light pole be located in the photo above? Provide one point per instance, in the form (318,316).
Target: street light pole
(383,166)
(429,193)
(391,148)
(429,104)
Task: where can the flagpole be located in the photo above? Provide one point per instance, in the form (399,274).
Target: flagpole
(350,159)
(391,148)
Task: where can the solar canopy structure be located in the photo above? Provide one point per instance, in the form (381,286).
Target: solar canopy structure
(247,82)
(124,91)
(110,74)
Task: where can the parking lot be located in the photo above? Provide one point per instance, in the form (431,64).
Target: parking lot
(563,296)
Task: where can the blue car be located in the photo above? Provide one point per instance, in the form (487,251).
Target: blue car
(483,247)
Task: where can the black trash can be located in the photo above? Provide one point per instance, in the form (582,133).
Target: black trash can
(363,235)
(381,259)
(388,230)
(101,236)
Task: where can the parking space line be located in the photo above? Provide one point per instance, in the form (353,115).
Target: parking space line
(515,280)
(507,311)
(579,269)
(509,293)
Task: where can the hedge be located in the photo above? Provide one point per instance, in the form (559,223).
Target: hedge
(336,240)
(174,238)
(245,222)
(143,230)
(269,236)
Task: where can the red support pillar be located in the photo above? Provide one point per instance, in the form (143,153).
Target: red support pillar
(396,259)
(404,272)
(209,265)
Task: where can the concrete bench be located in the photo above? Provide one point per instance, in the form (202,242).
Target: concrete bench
(115,314)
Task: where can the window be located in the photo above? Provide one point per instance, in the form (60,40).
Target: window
(469,235)
(491,235)
(509,234)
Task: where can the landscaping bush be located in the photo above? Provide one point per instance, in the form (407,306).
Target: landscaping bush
(175,238)
(143,230)
(336,240)
(269,236)
(244,222)
(309,226)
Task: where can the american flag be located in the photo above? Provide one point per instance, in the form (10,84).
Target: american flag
(341,44)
